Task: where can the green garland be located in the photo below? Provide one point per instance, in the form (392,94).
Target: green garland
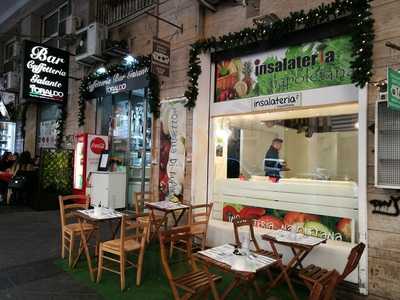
(142,62)
(61,124)
(362,34)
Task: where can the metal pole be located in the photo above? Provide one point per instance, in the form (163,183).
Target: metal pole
(143,187)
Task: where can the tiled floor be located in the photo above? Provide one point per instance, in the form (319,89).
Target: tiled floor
(29,244)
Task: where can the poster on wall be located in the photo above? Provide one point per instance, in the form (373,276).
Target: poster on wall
(172,149)
(48,134)
(296,68)
(46,72)
(328,227)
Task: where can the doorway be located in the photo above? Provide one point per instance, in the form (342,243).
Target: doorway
(126,119)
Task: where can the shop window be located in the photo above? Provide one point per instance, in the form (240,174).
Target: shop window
(54,23)
(47,126)
(290,167)
(9,51)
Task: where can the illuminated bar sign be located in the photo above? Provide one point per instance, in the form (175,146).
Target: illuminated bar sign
(45,73)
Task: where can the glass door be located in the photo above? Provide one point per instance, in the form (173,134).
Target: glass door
(126,119)
(119,131)
(139,161)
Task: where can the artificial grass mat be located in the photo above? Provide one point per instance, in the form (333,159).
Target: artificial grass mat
(154,284)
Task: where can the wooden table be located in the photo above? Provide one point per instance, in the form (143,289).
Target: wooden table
(87,216)
(241,278)
(167,208)
(300,251)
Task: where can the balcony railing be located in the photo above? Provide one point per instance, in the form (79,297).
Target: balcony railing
(114,12)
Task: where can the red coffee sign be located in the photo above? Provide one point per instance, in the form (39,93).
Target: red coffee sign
(97,145)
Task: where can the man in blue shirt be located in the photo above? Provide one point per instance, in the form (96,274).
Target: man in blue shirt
(272,163)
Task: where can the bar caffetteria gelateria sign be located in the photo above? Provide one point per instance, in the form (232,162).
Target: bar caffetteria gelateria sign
(46,71)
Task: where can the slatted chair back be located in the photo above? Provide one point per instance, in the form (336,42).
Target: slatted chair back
(131,230)
(238,223)
(200,214)
(352,261)
(324,289)
(66,210)
(141,199)
(174,235)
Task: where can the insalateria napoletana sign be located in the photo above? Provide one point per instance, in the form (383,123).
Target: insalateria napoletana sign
(306,66)
(46,72)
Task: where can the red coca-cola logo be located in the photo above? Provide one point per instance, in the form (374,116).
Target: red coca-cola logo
(97,145)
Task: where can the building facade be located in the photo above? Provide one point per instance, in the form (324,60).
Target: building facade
(134,23)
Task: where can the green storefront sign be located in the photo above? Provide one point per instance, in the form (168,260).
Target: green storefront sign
(306,66)
(393,89)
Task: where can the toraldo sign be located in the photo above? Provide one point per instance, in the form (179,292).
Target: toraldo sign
(45,73)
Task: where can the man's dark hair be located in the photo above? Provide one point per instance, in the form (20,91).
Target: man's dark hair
(277,140)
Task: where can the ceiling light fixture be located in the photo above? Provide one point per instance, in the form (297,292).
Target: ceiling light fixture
(130,60)
(101,70)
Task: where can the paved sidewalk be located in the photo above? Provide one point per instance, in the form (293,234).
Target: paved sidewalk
(29,245)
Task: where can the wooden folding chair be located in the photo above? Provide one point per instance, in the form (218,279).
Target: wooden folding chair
(132,239)
(199,216)
(312,273)
(243,223)
(324,288)
(140,207)
(71,230)
(195,283)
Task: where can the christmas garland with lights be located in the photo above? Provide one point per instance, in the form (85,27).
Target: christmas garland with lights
(62,111)
(362,35)
(141,63)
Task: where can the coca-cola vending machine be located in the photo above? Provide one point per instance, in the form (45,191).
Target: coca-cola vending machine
(88,148)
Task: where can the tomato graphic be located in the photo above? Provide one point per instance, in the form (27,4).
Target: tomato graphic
(344,227)
(251,212)
(270,222)
(229,213)
(293,217)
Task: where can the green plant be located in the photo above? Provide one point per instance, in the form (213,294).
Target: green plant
(56,171)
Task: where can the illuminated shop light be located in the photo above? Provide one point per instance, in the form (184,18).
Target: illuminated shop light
(101,70)
(130,60)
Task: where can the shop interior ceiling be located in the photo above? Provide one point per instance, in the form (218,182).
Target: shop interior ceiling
(305,121)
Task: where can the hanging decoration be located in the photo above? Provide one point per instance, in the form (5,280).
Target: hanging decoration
(111,70)
(362,34)
(23,111)
(62,112)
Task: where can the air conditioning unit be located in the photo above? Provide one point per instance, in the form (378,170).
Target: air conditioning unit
(69,25)
(11,81)
(89,48)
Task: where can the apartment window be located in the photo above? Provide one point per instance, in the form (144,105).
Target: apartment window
(9,53)
(53,24)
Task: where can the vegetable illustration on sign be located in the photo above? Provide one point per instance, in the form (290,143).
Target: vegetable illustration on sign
(334,228)
(307,66)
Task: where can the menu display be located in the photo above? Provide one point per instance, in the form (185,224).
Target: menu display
(45,73)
